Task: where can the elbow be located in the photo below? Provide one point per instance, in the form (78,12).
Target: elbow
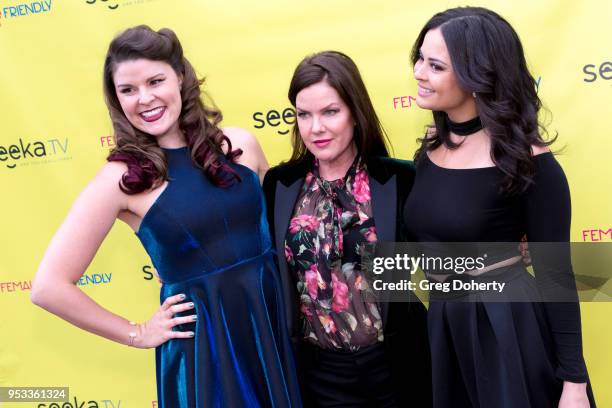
(48,294)
(39,295)
(36,296)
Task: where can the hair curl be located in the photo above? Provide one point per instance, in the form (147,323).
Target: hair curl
(140,151)
(340,72)
(488,59)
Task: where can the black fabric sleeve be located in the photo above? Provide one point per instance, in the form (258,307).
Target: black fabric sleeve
(548,215)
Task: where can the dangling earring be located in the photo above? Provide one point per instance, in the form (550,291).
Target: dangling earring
(474,94)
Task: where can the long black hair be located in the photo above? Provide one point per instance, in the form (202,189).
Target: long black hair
(488,59)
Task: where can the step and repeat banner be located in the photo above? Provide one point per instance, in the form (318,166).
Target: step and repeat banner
(55,133)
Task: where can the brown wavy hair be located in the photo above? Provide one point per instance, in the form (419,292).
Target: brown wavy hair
(140,151)
(342,74)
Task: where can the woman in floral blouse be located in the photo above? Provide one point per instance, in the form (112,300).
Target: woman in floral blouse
(338,193)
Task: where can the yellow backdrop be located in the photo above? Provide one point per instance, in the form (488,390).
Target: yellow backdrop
(50,91)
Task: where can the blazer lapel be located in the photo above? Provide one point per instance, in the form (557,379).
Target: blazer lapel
(384,207)
(284,202)
(384,210)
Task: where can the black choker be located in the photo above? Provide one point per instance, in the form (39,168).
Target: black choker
(464,128)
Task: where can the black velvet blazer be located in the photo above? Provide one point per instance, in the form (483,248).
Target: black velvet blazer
(404,324)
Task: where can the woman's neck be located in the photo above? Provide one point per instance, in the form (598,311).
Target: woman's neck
(337,168)
(478,137)
(172,139)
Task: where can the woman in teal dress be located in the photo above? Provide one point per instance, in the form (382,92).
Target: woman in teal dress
(197,206)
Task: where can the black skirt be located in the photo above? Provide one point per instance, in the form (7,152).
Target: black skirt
(493,354)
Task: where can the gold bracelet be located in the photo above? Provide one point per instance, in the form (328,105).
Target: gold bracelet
(132,335)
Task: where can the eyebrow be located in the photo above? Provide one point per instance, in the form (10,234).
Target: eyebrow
(325,107)
(438,61)
(148,79)
(433,59)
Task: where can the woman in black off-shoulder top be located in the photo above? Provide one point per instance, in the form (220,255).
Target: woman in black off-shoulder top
(485,174)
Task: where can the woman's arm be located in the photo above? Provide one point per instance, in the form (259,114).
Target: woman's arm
(71,251)
(548,211)
(252,156)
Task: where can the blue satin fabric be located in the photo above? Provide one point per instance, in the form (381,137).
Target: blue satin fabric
(213,245)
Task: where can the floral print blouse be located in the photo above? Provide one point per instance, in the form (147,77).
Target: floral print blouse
(328,235)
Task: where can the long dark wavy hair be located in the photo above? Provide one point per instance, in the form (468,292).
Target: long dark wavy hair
(488,59)
(341,73)
(199,124)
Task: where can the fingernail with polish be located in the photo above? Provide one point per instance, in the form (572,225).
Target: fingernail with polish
(191,334)
(194,317)
(182,296)
(190,304)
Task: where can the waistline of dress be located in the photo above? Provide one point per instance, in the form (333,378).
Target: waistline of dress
(268,253)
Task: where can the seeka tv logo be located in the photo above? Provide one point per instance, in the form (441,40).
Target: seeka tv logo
(76,403)
(37,152)
(150,273)
(110,6)
(114,4)
(591,70)
(26,9)
(274,118)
